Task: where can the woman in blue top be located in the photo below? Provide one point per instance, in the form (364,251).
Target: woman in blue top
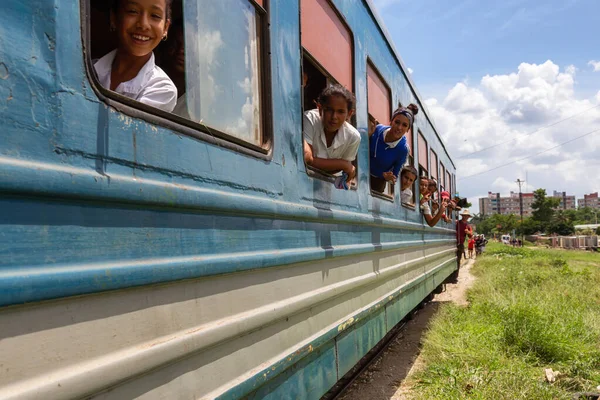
(388,147)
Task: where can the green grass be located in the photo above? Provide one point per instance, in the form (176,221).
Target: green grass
(530,309)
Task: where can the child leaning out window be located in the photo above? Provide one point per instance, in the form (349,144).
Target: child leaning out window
(330,142)
(130,69)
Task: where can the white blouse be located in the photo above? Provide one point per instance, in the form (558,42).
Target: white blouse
(151,86)
(345,143)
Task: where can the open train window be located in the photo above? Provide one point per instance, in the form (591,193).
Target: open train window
(379,106)
(324,62)
(314,80)
(442,180)
(409,202)
(411,155)
(214,53)
(434,171)
(423,159)
(444,186)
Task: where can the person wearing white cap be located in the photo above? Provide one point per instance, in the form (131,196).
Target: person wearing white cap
(463,229)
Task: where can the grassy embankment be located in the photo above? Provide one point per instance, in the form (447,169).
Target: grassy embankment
(530,309)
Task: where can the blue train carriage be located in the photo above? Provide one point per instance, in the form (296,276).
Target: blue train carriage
(153,255)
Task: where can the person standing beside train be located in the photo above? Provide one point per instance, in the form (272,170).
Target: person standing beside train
(330,141)
(463,229)
(388,147)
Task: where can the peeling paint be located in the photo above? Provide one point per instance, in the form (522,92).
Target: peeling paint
(346,324)
(4,74)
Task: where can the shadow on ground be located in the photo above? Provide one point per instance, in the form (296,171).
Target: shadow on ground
(386,377)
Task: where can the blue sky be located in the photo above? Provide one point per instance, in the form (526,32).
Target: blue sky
(446,42)
(492,71)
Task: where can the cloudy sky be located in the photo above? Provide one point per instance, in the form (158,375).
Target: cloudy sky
(508,83)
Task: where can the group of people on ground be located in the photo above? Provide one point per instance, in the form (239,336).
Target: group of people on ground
(330,142)
(475,242)
(476,245)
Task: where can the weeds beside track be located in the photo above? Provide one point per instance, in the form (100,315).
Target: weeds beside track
(529,310)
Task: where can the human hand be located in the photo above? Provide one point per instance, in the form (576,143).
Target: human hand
(350,170)
(444,204)
(389,176)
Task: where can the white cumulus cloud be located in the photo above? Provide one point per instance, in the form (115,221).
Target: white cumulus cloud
(595,65)
(506,118)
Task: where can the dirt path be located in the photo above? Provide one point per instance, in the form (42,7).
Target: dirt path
(388,378)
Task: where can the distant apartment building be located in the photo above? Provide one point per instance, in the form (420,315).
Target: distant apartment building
(566,202)
(589,200)
(496,204)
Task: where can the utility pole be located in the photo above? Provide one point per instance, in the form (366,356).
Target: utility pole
(520,182)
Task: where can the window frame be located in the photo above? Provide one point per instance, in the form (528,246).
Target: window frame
(410,160)
(422,166)
(389,187)
(313,172)
(184,126)
(435,168)
(314,60)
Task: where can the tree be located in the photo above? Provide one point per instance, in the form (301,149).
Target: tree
(561,224)
(598,230)
(543,207)
(496,224)
(529,227)
(585,215)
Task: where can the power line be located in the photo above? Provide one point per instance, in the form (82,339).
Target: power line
(533,155)
(530,133)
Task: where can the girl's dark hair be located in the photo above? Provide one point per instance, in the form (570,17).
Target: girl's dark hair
(168,3)
(337,90)
(413,108)
(409,169)
(433,183)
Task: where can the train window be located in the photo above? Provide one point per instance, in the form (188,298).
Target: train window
(324,62)
(434,169)
(444,186)
(411,162)
(319,19)
(411,156)
(379,106)
(423,159)
(442,181)
(224,67)
(379,95)
(372,124)
(218,66)
(314,80)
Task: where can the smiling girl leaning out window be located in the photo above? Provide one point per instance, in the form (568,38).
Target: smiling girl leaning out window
(130,69)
